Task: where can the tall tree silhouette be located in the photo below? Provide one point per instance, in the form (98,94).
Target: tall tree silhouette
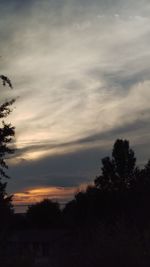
(7,132)
(117,172)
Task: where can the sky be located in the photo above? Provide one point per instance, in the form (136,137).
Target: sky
(81,76)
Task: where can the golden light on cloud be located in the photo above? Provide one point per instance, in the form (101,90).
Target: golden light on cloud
(60,149)
(34,155)
(38,194)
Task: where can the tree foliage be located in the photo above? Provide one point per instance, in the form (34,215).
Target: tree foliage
(121,191)
(117,172)
(7,132)
(6,81)
(44,214)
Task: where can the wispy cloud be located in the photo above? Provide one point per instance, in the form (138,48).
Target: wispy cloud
(38,194)
(81,70)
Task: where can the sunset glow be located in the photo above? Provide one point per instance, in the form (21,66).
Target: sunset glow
(36,195)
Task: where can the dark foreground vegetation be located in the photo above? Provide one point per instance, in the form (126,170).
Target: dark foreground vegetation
(108,224)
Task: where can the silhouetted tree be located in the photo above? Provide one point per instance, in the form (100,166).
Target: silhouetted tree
(144,177)
(44,214)
(118,172)
(7,132)
(112,195)
(84,208)
(142,196)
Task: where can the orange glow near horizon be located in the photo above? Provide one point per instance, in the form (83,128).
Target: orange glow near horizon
(38,194)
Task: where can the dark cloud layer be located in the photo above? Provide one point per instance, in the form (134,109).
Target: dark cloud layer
(75,168)
(64,170)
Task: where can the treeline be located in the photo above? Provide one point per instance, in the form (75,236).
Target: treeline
(120,193)
(108,224)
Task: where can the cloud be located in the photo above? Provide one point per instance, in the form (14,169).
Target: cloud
(81,71)
(38,194)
